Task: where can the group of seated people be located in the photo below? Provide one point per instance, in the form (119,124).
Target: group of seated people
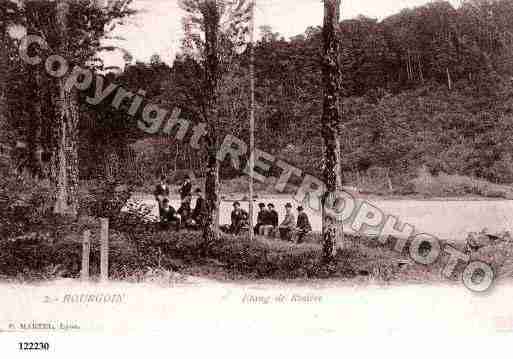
(185,216)
(267,218)
(289,227)
(268,222)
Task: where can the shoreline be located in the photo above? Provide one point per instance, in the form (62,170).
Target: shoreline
(260,196)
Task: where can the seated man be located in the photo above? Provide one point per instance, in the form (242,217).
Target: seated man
(271,223)
(200,209)
(185,211)
(186,189)
(239,219)
(168,216)
(261,219)
(288,225)
(303,225)
(161,190)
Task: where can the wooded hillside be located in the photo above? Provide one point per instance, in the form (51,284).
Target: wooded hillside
(430,86)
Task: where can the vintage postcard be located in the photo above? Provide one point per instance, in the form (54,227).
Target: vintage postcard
(204,168)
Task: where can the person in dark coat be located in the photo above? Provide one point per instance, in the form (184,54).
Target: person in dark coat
(239,219)
(161,190)
(185,211)
(200,209)
(271,222)
(168,216)
(186,189)
(272,219)
(288,225)
(303,225)
(261,218)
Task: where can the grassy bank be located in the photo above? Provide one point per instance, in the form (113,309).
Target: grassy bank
(36,245)
(143,254)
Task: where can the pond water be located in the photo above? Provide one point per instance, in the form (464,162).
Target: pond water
(446,219)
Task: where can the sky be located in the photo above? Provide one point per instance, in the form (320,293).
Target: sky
(157,28)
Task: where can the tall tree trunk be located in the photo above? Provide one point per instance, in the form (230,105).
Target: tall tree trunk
(49,96)
(4,63)
(332,230)
(66,158)
(212,19)
(35,125)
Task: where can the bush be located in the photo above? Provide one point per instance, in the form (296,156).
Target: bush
(24,202)
(106,200)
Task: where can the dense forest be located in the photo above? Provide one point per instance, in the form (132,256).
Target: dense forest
(428,87)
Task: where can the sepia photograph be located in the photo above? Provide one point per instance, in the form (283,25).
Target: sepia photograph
(271,167)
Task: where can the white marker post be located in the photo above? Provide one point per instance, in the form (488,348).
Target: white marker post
(104,249)
(86,251)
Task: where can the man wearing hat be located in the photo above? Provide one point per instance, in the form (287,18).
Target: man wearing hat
(263,214)
(239,218)
(288,225)
(185,189)
(185,212)
(200,210)
(272,219)
(303,225)
(168,215)
(161,190)
(271,222)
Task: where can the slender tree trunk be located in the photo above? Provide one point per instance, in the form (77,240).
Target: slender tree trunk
(408,66)
(449,81)
(211,225)
(331,228)
(389,180)
(66,158)
(176,157)
(111,166)
(421,72)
